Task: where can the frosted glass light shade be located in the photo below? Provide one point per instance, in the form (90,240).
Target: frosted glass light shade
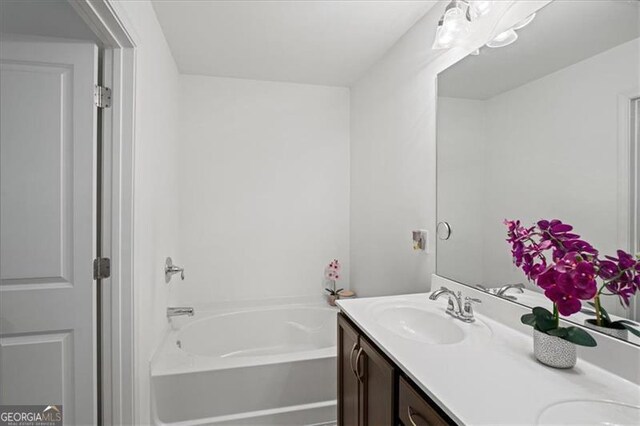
(480,7)
(451,28)
(444,39)
(526,21)
(455,21)
(503,39)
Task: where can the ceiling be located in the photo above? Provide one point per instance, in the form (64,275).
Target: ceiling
(314,42)
(562,33)
(44,18)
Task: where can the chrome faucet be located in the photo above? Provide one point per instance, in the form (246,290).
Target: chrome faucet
(174,312)
(451,309)
(502,290)
(463,312)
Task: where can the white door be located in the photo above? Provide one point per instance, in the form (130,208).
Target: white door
(48,226)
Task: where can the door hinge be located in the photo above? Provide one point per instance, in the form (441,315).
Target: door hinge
(101,268)
(102,96)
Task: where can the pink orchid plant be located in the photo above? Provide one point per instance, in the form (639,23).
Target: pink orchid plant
(332,274)
(568,268)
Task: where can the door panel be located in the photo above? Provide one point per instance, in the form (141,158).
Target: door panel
(46,383)
(378,390)
(36,207)
(347,380)
(48,226)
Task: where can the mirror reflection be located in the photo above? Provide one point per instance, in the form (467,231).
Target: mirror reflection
(544,127)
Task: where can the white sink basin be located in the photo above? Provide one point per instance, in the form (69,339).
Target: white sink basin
(425,323)
(419,324)
(590,412)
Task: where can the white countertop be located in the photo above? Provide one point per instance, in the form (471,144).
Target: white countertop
(488,381)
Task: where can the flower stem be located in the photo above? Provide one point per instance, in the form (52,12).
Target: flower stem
(556,316)
(596,301)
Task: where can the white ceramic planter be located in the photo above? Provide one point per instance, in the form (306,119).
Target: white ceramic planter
(554,351)
(615,332)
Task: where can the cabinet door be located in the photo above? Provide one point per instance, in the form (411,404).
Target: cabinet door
(413,410)
(348,388)
(377,391)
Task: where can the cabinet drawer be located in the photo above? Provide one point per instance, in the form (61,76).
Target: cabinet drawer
(413,410)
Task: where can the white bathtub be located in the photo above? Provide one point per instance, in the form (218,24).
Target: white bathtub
(268,365)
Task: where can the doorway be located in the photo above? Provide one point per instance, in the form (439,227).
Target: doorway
(66,325)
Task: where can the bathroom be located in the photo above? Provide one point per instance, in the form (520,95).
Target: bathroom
(292,212)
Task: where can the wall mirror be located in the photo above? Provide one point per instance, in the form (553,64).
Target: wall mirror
(542,124)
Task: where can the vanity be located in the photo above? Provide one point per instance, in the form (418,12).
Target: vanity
(403,361)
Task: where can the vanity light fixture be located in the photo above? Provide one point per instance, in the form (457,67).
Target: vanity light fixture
(456,20)
(509,36)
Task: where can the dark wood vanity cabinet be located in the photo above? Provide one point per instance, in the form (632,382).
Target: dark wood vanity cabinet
(365,380)
(372,390)
(348,382)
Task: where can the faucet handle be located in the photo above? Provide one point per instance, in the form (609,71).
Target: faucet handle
(170,269)
(451,309)
(467,312)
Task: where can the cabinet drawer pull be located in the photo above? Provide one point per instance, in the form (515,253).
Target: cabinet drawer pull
(358,375)
(412,413)
(353,349)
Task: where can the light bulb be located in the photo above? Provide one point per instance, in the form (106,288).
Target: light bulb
(503,39)
(526,21)
(444,38)
(480,7)
(455,21)
(452,26)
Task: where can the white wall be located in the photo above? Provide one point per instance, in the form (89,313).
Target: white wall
(155,185)
(264,192)
(393,154)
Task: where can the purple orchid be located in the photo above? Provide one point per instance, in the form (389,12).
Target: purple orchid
(571,276)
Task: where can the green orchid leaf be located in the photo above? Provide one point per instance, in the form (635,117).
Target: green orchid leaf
(630,326)
(545,324)
(624,321)
(541,312)
(580,337)
(528,319)
(558,332)
(544,319)
(616,325)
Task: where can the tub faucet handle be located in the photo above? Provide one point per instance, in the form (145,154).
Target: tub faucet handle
(170,269)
